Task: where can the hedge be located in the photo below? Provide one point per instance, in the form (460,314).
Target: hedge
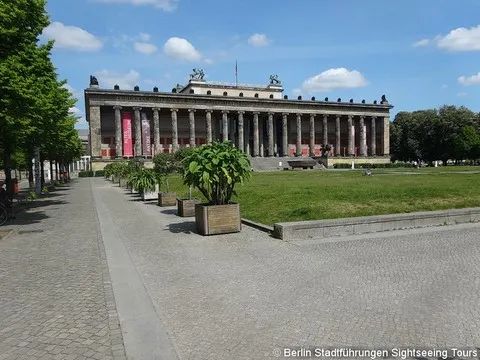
(98,173)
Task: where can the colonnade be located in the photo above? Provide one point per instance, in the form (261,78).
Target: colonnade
(244,120)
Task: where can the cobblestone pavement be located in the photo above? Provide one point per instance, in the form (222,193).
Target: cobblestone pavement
(246,295)
(56,300)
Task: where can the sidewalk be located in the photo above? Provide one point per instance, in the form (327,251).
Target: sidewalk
(56,300)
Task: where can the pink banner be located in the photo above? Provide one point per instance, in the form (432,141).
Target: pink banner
(127,134)
(146,139)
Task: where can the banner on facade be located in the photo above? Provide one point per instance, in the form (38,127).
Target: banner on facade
(127,134)
(146,140)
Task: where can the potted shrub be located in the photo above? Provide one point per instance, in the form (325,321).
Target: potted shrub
(122,170)
(146,182)
(164,165)
(215,170)
(108,172)
(132,168)
(185,206)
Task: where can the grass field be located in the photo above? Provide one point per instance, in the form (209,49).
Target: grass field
(272,197)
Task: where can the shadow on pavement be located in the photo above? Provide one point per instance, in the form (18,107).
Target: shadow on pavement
(29,212)
(169,211)
(187,227)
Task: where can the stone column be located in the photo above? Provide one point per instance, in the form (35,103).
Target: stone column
(174,129)
(350,136)
(95,132)
(156,130)
(138,131)
(325,129)
(285,150)
(248,124)
(118,131)
(208,117)
(225,125)
(256,135)
(240,130)
(337,136)
(191,122)
(312,135)
(298,151)
(363,137)
(270,135)
(373,137)
(386,136)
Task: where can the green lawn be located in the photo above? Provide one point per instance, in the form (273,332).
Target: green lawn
(312,195)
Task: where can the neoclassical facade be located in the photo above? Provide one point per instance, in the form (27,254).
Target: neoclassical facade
(258,119)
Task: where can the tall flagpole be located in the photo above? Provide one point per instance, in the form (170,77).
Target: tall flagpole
(236,73)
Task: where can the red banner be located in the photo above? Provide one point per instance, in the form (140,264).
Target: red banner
(127,134)
(146,140)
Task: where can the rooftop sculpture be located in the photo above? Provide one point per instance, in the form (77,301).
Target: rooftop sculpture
(197,74)
(93,80)
(274,80)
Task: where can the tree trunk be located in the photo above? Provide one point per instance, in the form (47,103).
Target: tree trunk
(42,171)
(51,171)
(56,170)
(8,172)
(30,174)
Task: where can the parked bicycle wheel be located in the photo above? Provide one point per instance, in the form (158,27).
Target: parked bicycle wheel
(3,215)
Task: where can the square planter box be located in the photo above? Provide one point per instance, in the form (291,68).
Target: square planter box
(217,219)
(122,182)
(167,199)
(186,207)
(150,195)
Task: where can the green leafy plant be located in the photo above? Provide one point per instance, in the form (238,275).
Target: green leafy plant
(108,170)
(182,157)
(31,196)
(215,170)
(45,190)
(165,164)
(144,180)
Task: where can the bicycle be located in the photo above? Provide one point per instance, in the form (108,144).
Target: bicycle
(4,214)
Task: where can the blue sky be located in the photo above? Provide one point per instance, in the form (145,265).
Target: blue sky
(421,54)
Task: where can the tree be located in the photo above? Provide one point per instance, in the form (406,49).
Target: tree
(21,23)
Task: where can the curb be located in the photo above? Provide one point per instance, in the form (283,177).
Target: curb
(372,224)
(258,226)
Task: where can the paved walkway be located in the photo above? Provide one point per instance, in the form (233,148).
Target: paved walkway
(56,300)
(238,296)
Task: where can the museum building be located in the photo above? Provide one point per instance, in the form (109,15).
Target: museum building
(258,119)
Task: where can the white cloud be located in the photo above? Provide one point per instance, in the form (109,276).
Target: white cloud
(75,111)
(181,49)
(165,5)
(461,39)
(259,40)
(332,79)
(145,48)
(297,92)
(469,80)
(108,79)
(423,42)
(144,37)
(462,94)
(72,37)
(208,61)
(70,89)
